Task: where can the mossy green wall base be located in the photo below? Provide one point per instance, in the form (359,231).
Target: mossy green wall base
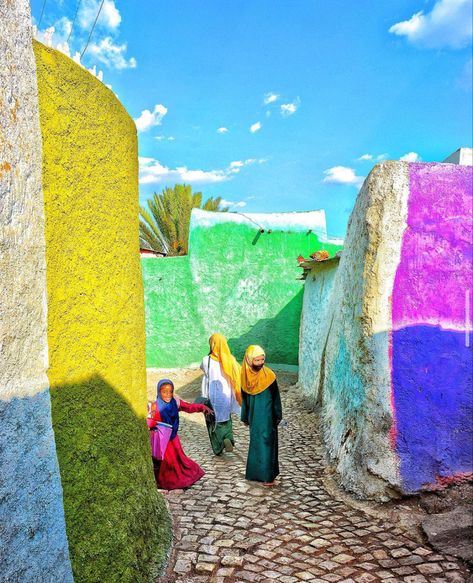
(117,525)
(236,281)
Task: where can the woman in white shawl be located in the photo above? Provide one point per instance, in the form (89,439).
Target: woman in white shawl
(221,385)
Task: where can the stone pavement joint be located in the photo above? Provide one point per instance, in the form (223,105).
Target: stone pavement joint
(228,530)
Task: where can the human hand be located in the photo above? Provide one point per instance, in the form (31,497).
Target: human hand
(208,412)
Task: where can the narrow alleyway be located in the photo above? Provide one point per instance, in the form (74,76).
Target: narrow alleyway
(227,530)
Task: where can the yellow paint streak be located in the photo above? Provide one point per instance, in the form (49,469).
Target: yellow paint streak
(90,182)
(4,167)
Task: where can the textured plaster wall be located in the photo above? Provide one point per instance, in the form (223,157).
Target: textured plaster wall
(316,317)
(393,374)
(356,406)
(32,529)
(235,280)
(431,349)
(116,521)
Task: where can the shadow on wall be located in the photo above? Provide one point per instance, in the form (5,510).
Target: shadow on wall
(104,458)
(278,335)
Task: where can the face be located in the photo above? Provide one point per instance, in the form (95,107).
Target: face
(258,362)
(166,393)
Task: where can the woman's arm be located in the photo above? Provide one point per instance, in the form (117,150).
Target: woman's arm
(244,408)
(194,408)
(277,407)
(205,379)
(151,418)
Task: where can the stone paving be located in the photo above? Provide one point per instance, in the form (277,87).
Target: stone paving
(228,530)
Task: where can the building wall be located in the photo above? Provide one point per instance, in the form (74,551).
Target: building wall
(114,516)
(396,390)
(235,280)
(32,528)
(316,317)
(431,360)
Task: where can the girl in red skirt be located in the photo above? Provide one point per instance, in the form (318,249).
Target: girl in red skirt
(176,470)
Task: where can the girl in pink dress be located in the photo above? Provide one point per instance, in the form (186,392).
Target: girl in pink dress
(176,470)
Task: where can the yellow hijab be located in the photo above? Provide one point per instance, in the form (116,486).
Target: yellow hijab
(220,352)
(254,382)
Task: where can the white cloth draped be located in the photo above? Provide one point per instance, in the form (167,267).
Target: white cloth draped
(216,388)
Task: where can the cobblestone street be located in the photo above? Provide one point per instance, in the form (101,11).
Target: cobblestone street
(229,530)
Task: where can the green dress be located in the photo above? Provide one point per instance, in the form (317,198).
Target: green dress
(262,412)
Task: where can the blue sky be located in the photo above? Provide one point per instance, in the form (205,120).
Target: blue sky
(277,105)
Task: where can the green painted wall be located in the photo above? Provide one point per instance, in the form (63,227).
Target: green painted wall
(235,280)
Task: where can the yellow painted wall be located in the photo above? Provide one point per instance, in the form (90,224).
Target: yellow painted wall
(115,518)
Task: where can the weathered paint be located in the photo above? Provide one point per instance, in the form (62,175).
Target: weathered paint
(315,323)
(431,362)
(33,539)
(355,386)
(235,280)
(114,514)
(393,374)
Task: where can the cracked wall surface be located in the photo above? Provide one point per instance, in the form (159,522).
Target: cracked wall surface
(117,524)
(393,371)
(32,529)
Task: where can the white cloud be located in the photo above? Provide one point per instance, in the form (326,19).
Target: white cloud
(290,108)
(153,172)
(111,54)
(410,157)
(447,25)
(95,73)
(255,127)
(222,130)
(270,98)
(149,119)
(377,157)
(231,204)
(342,175)
(109,18)
(55,35)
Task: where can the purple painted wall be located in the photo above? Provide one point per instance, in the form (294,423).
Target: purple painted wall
(431,362)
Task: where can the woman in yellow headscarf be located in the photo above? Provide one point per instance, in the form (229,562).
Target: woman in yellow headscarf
(261,410)
(221,386)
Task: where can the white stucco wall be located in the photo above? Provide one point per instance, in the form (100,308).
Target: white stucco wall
(315,322)
(348,342)
(32,530)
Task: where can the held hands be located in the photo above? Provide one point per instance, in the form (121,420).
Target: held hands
(207,411)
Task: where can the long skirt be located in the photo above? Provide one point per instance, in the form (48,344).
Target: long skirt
(176,470)
(218,432)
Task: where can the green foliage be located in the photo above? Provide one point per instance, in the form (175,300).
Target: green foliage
(117,523)
(164,225)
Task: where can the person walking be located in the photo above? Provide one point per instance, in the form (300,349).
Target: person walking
(261,410)
(176,470)
(221,389)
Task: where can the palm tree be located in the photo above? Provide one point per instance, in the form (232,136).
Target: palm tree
(164,226)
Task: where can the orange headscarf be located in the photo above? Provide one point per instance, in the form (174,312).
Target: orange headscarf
(220,352)
(252,381)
